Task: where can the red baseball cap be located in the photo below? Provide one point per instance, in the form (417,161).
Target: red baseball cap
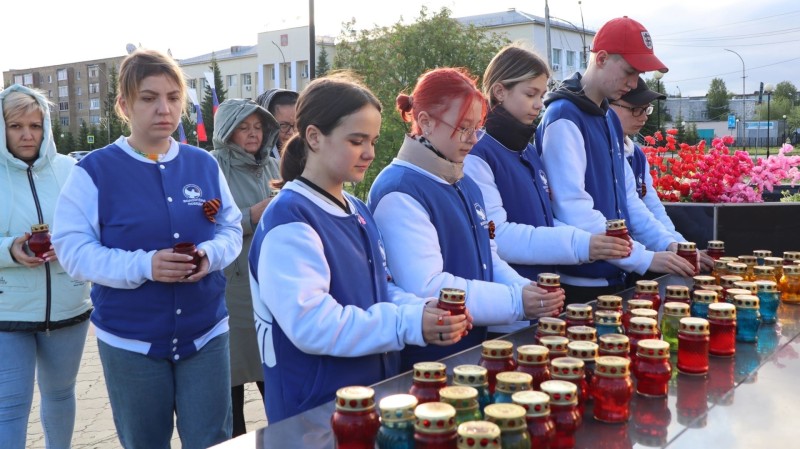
(628,38)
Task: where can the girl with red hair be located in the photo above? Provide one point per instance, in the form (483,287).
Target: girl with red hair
(433,218)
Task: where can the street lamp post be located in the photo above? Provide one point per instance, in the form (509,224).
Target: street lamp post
(284,63)
(658,75)
(783,141)
(768,90)
(744,116)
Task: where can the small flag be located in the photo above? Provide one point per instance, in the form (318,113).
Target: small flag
(181,133)
(215,101)
(201,127)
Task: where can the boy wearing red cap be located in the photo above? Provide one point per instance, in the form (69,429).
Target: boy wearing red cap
(581,142)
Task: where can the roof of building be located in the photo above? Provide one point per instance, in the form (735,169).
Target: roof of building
(514,17)
(233,52)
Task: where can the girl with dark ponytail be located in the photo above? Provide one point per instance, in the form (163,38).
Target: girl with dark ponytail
(327,313)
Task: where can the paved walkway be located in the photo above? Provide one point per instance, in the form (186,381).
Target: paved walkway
(94,424)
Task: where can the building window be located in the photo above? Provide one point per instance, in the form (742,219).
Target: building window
(63,106)
(94,103)
(94,71)
(28,79)
(62,74)
(583,60)
(17,79)
(94,88)
(570,59)
(63,91)
(192,83)
(49,94)
(247,79)
(49,79)
(556,56)
(79,90)
(80,106)
(94,119)
(78,75)
(232,79)
(64,121)
(272,74)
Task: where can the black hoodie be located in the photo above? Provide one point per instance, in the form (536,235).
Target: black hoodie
(572,90)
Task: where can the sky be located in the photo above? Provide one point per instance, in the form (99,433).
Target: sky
(690,36)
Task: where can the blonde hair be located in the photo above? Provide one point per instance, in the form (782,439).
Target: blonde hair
(17,104)
(510,66)
(139,65)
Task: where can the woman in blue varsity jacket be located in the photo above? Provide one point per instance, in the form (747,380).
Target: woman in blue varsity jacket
(160,318)
(510,174)
(327,313)
(433,218)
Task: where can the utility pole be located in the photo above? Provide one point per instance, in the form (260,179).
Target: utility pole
(744,119)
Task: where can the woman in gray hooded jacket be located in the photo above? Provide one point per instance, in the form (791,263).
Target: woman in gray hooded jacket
(244,134)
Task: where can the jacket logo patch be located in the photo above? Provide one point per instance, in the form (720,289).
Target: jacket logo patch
(543,178)
(481,216)
(193,195)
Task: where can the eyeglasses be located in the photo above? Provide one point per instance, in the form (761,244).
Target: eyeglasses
(637,111)
(286,127)
(464,134)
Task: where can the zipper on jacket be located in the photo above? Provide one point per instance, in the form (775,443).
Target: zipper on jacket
(474,228)
(46,264)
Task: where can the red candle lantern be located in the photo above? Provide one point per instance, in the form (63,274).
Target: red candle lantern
(435,426)
(556,345)
(652,368)
(688,251)
(355,422)
(564,410)
(693,341)
(496,357)
(429,378)
(614,344)
(534,360)
(541,427)
(722,329)
(648,290)
(612,389)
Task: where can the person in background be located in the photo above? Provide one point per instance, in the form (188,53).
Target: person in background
(433,218)
(244,133)
(160,316)
(507,168)
(327,313)
(44,313)
(633,109)
(282,104)
(581,145)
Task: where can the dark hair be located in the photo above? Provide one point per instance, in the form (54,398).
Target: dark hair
(435,91)
(324,103)
(282,99)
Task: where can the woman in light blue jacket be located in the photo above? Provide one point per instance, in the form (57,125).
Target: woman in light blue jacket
(43,312)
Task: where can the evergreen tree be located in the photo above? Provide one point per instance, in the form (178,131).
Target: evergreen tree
(651,126)
(67,143)
(323,66)
(718,100)
(59,141)
(83,137)
(390,59)
(111,125)
(207,103)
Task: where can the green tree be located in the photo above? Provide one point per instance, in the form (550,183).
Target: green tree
(787,90)
(67,143)
(323,66)
(718,100)
(83,137)
(777,108)
(659,107)
(207,104)
(57,132)
(111,125)
(390,59)
(690,135)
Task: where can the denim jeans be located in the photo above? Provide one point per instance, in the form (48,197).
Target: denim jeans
(55,358)
(147,393)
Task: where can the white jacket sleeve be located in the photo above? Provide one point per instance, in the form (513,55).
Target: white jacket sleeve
(653,203)
(644,227)
(564,159)
(296,292)
(415,259)
(6,260)
(76,239)
(226,245)
(522,243)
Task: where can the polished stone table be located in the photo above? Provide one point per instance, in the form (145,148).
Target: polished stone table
(749,401)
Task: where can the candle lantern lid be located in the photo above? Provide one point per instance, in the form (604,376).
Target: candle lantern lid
(506,416)
(677,291)
(676,309)
(435,417)
(579,311)
(430,372)
(581,333)
(617,343)
(705,296)
(532,355)
(535,403)
(478,435)
(584,350)
(567,368)
(398,407)
(653,348)
(551,325)
(687,246)
(561,392)
(454,296)
(496,349)
(693,325)
(355,398)
(722,311)
(642,325)
(470,375)
(647,286)
(612,366)
(549,279)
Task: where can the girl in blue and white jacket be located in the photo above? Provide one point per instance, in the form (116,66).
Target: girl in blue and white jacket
(433,217)
(160,319)
(507,168)
(327,313)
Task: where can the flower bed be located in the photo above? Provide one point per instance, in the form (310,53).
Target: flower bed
(693,173)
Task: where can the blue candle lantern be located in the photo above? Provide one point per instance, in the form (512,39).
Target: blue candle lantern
(769,299)
(748,318)
(608,322)
(702,298)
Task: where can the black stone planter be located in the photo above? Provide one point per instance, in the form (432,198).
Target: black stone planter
(743,227)
(777,193)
